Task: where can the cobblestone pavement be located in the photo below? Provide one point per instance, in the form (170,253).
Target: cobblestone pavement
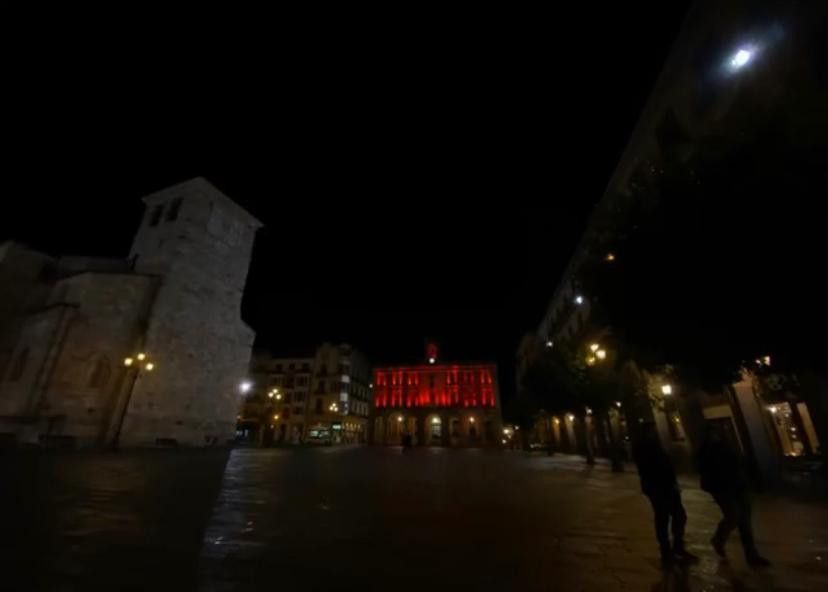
(377,519)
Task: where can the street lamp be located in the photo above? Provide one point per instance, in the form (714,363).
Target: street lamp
(666,389)
(245,386)
(549,343)
(579,300)
(594,347)
(136,364)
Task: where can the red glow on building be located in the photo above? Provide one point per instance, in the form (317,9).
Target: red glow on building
(450,385)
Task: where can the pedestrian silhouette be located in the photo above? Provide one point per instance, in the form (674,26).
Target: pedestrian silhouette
(723,475)
(658,483)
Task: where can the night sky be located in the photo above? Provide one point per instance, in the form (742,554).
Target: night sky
(404,195)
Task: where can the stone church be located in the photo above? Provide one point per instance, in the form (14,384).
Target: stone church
(139,351)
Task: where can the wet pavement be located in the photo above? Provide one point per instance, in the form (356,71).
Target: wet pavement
(370,519)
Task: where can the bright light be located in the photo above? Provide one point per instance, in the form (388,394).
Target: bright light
(590,361)
(435,420)
(773,409)
(594,347)
(579,299)
(610,257)
(276,417)
(618,404)
(399,419)
(431,360)
(371,385)
(666,389)
(141,357)
(588,411)
(549,343)
(601,354)
(740,58)
(128,361)
(517,428)
(557,421)
(245,386)
(270,394)
(570,417)
(471,419)
(149,366)
(767,360)
(504,441)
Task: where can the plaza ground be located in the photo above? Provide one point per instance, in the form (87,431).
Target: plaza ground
(370,519)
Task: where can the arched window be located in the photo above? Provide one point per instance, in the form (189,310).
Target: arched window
(100,374)
(19,365)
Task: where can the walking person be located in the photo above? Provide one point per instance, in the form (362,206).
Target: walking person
(723,475)
(659,484)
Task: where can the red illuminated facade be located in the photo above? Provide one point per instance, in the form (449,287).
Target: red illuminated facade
(439,404)
(426,386)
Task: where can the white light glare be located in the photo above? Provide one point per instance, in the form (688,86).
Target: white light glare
(740,58)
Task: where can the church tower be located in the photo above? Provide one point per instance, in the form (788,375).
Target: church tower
(199,243)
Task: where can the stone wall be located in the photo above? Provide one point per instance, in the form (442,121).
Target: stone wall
(195,334)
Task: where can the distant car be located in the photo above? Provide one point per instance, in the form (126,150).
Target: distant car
(319,438)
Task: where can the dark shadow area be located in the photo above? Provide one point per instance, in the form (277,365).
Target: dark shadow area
(105,521)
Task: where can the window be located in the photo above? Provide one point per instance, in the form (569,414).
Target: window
(291,366)
(299,396)
(155,216)
(288,397)
(302,381)
(100,374)
(19,366)
(277,381)
(286,413)
(172,213)
(318,406)
(277,368)
(320,386)
(289,381)
(305,366)
(297,411)
(323,370)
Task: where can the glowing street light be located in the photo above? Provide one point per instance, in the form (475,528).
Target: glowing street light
(594,347)
(773,409)
(130,361)
(141,357)
(399,419)
(610,257)
(666,389)
(570,417)
(579,299)
(549,343)
(601,354)
(432,360)
(149,366)
(245,386)
(740,58)
(472,420)
(276,417)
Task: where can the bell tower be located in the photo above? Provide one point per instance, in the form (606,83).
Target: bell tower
(199,242)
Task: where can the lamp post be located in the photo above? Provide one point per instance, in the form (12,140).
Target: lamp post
(135,365)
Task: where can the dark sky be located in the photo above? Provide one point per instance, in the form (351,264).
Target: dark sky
(426,192)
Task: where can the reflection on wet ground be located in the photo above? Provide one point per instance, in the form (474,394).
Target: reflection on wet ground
(320,519)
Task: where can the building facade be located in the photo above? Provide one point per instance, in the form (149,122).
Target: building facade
(727,64)
(137,351)
(323,398)
(437,404)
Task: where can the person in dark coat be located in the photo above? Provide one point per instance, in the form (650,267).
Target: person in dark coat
(659,484)
(723,475)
